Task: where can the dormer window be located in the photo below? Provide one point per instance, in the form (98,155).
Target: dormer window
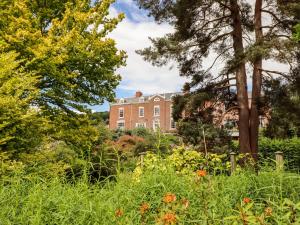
(142,99)
(122,100)
(157,99)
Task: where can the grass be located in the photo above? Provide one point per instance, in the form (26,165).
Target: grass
(199,200)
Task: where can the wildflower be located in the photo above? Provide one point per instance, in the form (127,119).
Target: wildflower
(246,200)
(268,211)
(201,173)
(144,208)
(185,203)
(169,218)
(119,213)
(169,197)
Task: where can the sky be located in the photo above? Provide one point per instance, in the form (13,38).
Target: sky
(130,35)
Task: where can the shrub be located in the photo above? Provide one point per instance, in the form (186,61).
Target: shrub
(289,147)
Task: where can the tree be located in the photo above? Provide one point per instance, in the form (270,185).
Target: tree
(19,122)
(56,60)
(232,32)
(65,43)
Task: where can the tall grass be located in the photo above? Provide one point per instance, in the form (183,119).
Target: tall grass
(199,200)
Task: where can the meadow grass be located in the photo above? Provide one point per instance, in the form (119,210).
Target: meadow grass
(140,200)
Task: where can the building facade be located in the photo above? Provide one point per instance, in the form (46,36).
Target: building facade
(153,111)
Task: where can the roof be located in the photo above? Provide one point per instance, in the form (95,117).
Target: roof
(145,98)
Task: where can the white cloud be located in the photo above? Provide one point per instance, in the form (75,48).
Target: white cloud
(139,74)
(131,35)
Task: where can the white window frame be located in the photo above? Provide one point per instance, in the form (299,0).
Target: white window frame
(156,122)
(119,113)
(138,125)
(122,100)
(157,99)
(156,107)
(123,122)
(141,108)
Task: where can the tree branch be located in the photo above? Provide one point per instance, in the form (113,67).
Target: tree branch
(270,72)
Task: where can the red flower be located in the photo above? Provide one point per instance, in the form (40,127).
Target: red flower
(246,200)
(169,197)
(119,213)
(201,173)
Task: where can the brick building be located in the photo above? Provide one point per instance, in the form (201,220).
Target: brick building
(153,111)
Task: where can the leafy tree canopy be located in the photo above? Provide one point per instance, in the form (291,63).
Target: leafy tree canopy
(65,44)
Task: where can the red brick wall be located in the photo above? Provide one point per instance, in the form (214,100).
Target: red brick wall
(131,114)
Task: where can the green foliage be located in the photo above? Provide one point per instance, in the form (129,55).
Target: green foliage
(284,102)
(20,122)
(268,147)
(65,43)
(193,200)
(289,147)
(297,32)
(216,139)
(186,161)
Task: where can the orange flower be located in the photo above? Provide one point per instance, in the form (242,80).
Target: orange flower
(169,218)
(201,173)
(185,203)
(119,213)
(246,200)
(169,197)
(268,211)
(144,208)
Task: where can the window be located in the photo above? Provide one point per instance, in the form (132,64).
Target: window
(141,112)
(121,112)
(121,125)
(140,125)
(156,110)
(173,124)
(122,100)
(157,99)
(156,124)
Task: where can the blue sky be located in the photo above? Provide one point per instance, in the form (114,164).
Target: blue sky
(130,35)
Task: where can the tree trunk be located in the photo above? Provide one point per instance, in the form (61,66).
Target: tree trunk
(256,82)
(241,79)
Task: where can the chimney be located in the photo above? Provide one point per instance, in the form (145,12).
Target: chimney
(138,94)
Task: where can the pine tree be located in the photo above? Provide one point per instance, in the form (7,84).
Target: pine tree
(232,31)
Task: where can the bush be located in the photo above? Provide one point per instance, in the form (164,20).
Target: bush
(289,147)
(268,147)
